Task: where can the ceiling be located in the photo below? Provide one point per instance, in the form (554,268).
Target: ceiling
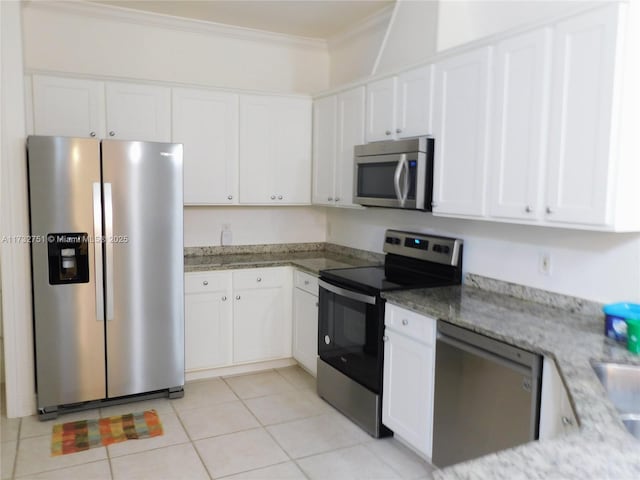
(307,18)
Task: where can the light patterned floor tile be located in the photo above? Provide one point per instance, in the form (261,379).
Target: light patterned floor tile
(204,394)
(347,464)
(282,471)
(298,377)
(34,456)
(287,406)
(317,434)
(32,426)
(8,458)
(258,384)
(174,434)
(400,458)
(179,462)
(87,471)
(217,420)
(9,428)
(237,452)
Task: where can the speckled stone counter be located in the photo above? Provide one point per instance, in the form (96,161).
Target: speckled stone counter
(601,448)
(311,258)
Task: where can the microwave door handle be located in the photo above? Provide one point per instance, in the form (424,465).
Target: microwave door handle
(396,181)
(405,166)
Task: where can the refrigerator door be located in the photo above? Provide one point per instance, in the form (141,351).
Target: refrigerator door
(65,210)
(143,266)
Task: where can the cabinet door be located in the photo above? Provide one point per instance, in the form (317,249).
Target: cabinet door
(407,403)
(207,124)
(292,137)
(68,107)
(138,112)
(381,110)
(351,109)
(519,126)
(461,127)
(261,314)
(324,149)
(580,143)
(414,107)
(305,329)
(207,320)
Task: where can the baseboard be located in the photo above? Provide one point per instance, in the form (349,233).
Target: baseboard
(238,369)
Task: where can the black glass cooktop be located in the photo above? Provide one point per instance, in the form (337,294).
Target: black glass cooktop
(374,279)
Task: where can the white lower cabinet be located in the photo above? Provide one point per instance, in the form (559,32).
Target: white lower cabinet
(237,316)
(409,365)
(305,320)
(556,414)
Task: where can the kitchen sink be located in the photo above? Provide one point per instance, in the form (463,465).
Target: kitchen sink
(622,383)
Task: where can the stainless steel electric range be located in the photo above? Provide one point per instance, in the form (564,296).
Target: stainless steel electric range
(351,319)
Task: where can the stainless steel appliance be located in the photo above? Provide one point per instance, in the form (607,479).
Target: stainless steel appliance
(107,269)
(351,319)
(487,395)
(395,173)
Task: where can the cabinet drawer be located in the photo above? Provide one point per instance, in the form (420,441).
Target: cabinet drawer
(306,282)
(258,278)
(198,282)
(411,324)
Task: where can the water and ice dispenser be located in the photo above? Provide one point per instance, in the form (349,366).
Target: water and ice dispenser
(68,258)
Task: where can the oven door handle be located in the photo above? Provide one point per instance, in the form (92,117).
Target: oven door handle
(360,297)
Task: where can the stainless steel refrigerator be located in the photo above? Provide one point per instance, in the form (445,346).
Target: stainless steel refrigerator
(107,268)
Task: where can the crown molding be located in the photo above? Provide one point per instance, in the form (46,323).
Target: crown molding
(101,11)
(372,21)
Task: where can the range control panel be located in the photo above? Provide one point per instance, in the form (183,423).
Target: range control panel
(433,248)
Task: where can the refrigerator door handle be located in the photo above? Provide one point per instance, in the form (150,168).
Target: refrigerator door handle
(97,255)
(108,225)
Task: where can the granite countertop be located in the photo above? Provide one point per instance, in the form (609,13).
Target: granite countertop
(311,261)
(601,448)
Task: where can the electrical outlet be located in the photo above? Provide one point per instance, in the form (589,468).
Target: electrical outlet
(544,263)
(226,235)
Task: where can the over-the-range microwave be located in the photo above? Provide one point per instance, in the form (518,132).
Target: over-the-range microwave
(394,173)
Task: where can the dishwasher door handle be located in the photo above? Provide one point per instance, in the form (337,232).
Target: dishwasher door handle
(487,355)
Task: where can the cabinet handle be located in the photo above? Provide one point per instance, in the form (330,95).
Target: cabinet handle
(229,197)
(224,298)
(317,304)
(330,199)
(92,134)
(405,321)
(528,209)
(337,199)
(385,338)
(112,133)
(237,297)
(205,282)
(273,197)
(388,132)
(306,282)
(549,211)
(259,279)
(279,197)
(566,421)
(398,130)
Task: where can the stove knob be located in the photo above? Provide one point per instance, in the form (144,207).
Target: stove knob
(445,249)
(437,248)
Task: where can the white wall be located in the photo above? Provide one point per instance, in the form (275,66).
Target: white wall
(98,40)
(254,225)
(463,21)
(602,267)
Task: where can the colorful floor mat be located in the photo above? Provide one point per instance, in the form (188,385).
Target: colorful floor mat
(78,436)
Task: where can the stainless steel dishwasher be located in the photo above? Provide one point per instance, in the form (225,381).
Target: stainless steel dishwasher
(487,395)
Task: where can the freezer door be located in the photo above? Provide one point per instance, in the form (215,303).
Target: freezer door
(65,210)
(143,266)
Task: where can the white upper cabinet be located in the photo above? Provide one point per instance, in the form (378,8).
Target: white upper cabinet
(414,102)
(461,130)
(68,107)
(324,149)
(138,112)
(581,142)
(381,111)
(275,150)
(519,126)
(206,122)
(338,126)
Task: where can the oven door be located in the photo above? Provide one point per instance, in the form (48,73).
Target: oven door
(397,181)
(350,329)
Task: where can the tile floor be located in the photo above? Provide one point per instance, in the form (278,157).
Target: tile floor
(267,425)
